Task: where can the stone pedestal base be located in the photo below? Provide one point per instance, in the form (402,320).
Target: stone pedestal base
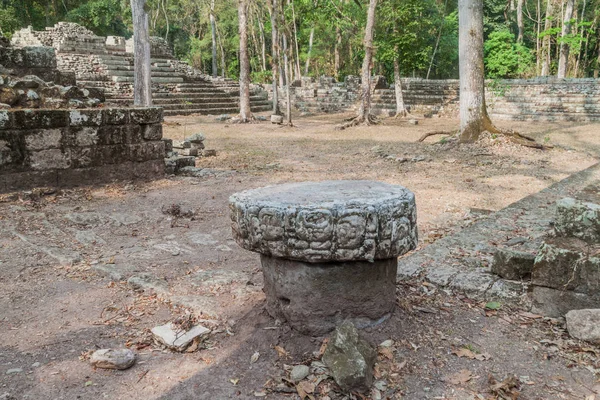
(316,297)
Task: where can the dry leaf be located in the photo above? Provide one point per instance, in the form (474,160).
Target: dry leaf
(260,393)
(305,389)
(508,389)
(234,381)
(529,315)
(254,357)
(281,352)
(323,347)
(463,352)
(387,353)
(460,377)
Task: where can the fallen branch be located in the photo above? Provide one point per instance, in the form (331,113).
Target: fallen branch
(435,133)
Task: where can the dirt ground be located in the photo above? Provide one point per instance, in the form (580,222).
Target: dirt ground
(98,267)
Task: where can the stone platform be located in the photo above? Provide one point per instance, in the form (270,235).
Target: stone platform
(328,249)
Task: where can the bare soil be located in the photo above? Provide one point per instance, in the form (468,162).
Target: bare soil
(66,256)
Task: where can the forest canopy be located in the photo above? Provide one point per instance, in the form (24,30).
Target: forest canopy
(522,37)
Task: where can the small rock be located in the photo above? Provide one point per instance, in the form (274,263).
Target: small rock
(196,138)
(223,117)
(176,339)
(419,158)
(261,118)
(413,122)
(14,371)
(145,281)
(350,359)
(277,119)
(387,343)
(299,372)
(209,153)
(513,265)
(113,358)
(584,324)
(35,365)
(516,240)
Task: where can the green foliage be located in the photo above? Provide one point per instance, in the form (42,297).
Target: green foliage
(504,58)
(8,21)
(100,16)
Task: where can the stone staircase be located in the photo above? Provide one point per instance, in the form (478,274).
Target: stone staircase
(176,92)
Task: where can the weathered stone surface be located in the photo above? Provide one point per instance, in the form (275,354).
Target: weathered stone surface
(147,281)
(326,221)
(316,297)
(299,372)
(277,119)
(578,219)
(513,265)
(176,339)
(584,324)
(350,359)
(556,303)
(113,358)
(567,264)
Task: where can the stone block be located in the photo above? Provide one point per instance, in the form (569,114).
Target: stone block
(40,119)
(85,117)
(513,265)
(584,324)
(146,151)
(189,152)
(112,134)
(351,359)
(168,145)
(29,179)
(50,159)
(6,119)
(112,154)
(556,303)
(578,219)
(115,116)
(567,264)
(83,157)
(148,115)
(39,57)
(84,136)
(132,134)
(43,139)
(152,131)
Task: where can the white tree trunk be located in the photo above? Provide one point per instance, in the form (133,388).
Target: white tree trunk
(473,114)
(546,53)
(310,45)
(563,60)
(142,83)
(520,23)
(365,105)
(245,113)
(288,72)
(400,107)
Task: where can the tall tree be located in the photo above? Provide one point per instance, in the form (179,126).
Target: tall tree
(142,83)
(473,112)
(275,54)
(213,30)
(563,61)
(245,112)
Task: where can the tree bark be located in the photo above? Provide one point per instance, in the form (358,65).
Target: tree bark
(520,23)
(245,113)
(213,30)
(473,112)
(275,54)
(365,104)
(142,83)
(563,61)
(400,107)
(288,72)
(310,45)
(546,45)
(336,52)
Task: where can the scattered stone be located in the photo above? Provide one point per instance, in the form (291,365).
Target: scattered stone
(556,303)
(584,324)
(261,118)
(513,265)
(113,358)
(14,371)
(277,119)
(147,281)
(516,240)
(176,338)
(223,117)
(196,138)
(35,365)
(189,152)
(299,372)
(413,121)
(578,219)
(350,359)
(209,153)
(125,219)
(387,343)
(419,159)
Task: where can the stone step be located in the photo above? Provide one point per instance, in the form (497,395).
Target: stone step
(547,117)
(199,106)
(178,97)
(216,110)
(153,69)
(153,79)
(130,72)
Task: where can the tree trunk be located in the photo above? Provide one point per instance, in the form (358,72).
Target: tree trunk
(142,83)
(538,47)
(310,45)
(546,45)
(213,30)
(365,105)
(288,72)
(520,23)
(336,52)
(437,40)
(297,63)
(275,54)
(263,44)
(563,60)
(473,113)
(245,113)
(400,108)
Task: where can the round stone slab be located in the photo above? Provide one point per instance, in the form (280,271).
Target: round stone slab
(326,221)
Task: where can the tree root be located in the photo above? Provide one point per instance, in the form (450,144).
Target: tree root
(434,133)
(248,120)
(362,120)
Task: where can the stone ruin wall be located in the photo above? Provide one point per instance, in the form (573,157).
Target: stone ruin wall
(49,135)
(543,99)
(40,147)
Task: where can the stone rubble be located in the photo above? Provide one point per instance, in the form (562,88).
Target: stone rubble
(177,339)
(584,324)
(113,359)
